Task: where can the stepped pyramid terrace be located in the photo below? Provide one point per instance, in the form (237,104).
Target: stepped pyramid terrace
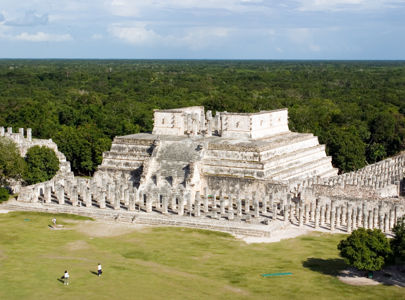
(191,149)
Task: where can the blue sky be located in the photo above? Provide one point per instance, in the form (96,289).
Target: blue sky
(193,29)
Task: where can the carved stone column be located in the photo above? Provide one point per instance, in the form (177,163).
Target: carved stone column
(165,204)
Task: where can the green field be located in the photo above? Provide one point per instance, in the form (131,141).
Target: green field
(167,263)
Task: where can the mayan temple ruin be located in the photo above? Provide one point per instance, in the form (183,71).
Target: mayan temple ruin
(244,173)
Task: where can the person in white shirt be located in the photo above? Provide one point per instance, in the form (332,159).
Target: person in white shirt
(99,270)
(66,278)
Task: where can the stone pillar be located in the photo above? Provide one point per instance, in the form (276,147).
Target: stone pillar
(206,200)
(370,219)
(291,214)
(2,132)
(328,207)
(365,219)
(190,201)
(61,195)
(180,209)
(306,213)
(322,218)
(239,206)
(271,200)
(222,204)
(88,199)
(375,218)
(256,205)
(286,213)
(21,132)
(173,205)
(338,213)
(386,223)
(9,130)
(354,218)
(34,197)
(149,203)
(264,205)
(247,204)
(110,193)
(214,200)
(126,196)
(316,217)
(300,216)
(131,201)
(391,217)
(74,198)
(380,220)
(312,211)
(359,219)
(209,126)
(102,199)
(230,208)
(349,220)
(29,134)
(363,210)
(274,211)
(117,199)
(344,215)
(332,218)
(165,204)
(48,194)
(197,204)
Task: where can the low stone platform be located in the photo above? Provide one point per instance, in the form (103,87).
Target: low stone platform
(155,218)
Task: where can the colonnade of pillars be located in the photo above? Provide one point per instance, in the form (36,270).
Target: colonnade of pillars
(326,213)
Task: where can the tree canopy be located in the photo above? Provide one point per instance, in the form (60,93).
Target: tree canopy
(365,249)
(12,165)
(42,164)
(356,108)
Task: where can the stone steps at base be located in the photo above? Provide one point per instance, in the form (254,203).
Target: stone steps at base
(305,157)
(231,227)
(309,169)
(329,173)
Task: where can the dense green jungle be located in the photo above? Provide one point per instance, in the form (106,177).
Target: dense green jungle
(356,108)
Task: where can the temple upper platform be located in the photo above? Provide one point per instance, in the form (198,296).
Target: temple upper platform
(194,121)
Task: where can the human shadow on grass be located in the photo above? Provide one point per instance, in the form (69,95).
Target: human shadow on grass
(330,266)
(60,280)
(94,273)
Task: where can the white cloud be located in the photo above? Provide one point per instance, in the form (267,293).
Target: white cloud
(193,38)
(342,5)
(135,35)
(97,36)
(127,8)
(30,18)
(304,37)
(42,37)
(202,37)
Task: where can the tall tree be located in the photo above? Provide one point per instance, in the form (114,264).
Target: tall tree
(42,164)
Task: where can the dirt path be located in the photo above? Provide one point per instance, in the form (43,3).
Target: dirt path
(391,275)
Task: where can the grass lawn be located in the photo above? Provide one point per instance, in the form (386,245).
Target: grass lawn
(167,263)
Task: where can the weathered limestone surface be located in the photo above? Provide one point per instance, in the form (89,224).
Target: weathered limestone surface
(232,167)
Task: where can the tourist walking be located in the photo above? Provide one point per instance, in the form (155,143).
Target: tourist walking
(66,278)
(99,270)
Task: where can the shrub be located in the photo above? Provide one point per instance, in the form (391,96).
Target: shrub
(4,195)
(365,249)
(398,242)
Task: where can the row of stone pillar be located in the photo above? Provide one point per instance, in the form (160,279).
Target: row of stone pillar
(331,215)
